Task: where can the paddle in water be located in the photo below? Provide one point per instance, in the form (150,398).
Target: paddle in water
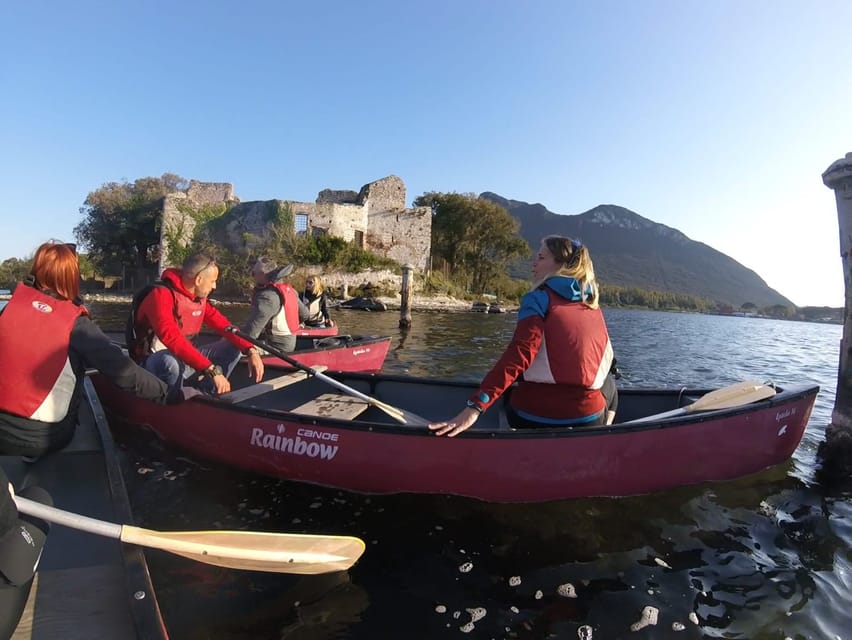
(400,415)
(307,554)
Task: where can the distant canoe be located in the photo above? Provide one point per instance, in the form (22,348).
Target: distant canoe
(338,353)
(317,332)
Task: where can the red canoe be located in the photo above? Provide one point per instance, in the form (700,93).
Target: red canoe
(295,434)
(315,332)
(338,353)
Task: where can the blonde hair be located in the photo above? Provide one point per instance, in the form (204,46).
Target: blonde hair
(574,262)
(318,288)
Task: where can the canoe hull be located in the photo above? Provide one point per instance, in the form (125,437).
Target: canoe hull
(497,465)
(361,353)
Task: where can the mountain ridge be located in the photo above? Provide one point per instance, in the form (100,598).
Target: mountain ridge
(630,250)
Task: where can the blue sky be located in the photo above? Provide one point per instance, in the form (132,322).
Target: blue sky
(716,118)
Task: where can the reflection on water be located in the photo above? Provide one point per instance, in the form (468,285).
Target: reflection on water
(763,557)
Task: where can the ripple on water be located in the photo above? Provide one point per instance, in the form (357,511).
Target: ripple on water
(762,557)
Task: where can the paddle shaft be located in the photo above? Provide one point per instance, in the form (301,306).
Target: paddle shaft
(735,395)
(399,415)
(67,519)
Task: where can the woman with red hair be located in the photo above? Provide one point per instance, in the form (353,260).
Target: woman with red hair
(47,340)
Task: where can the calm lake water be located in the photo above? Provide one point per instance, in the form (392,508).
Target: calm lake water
(765,557)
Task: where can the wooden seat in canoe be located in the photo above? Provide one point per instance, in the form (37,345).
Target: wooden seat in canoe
(333,405)
(241,395)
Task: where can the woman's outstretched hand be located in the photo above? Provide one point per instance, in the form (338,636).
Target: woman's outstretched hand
(455,426)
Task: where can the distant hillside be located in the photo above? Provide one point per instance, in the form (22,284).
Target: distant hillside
(632,251)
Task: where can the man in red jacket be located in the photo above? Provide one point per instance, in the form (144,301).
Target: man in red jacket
(168,315)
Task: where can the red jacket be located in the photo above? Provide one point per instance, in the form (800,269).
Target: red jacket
(175,316)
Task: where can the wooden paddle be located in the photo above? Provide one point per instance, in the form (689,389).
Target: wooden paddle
(735,395)
(247,393)
(252,550)
(400,415)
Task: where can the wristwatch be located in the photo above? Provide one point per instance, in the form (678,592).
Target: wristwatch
(473,405)
(214,370)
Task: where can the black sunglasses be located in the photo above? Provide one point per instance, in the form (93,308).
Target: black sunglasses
(211,261)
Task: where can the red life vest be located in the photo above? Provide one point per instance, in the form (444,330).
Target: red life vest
(187,312)
(286,322)
(578,337)
(37,380)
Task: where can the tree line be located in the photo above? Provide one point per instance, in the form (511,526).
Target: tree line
(473,243)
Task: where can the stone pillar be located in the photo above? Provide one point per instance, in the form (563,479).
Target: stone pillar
(839,178)
(405,292)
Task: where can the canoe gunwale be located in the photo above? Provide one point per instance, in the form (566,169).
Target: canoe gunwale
(783,397)
(144,607)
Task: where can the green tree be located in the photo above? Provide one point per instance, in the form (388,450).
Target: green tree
(121,222)
(14,270)
(474,237)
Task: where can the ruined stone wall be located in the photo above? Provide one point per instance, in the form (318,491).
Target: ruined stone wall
(210,192)
(388,227)
(341,220)
(387,194)
(337,196)
(178,226)
(404,236)
(245,224)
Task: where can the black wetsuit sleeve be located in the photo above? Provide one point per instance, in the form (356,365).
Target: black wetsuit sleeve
(95,349)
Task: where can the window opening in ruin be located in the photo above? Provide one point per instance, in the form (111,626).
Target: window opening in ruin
(359,239)
(301,224)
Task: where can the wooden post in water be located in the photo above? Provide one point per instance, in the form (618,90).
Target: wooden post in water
(839,178)
(405,292)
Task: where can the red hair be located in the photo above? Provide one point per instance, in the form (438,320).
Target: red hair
(55,267)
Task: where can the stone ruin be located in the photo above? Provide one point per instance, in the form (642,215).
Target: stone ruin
(375,218)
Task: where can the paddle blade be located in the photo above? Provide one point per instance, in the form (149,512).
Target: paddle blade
(401,415)
(734,395)
(254,550)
